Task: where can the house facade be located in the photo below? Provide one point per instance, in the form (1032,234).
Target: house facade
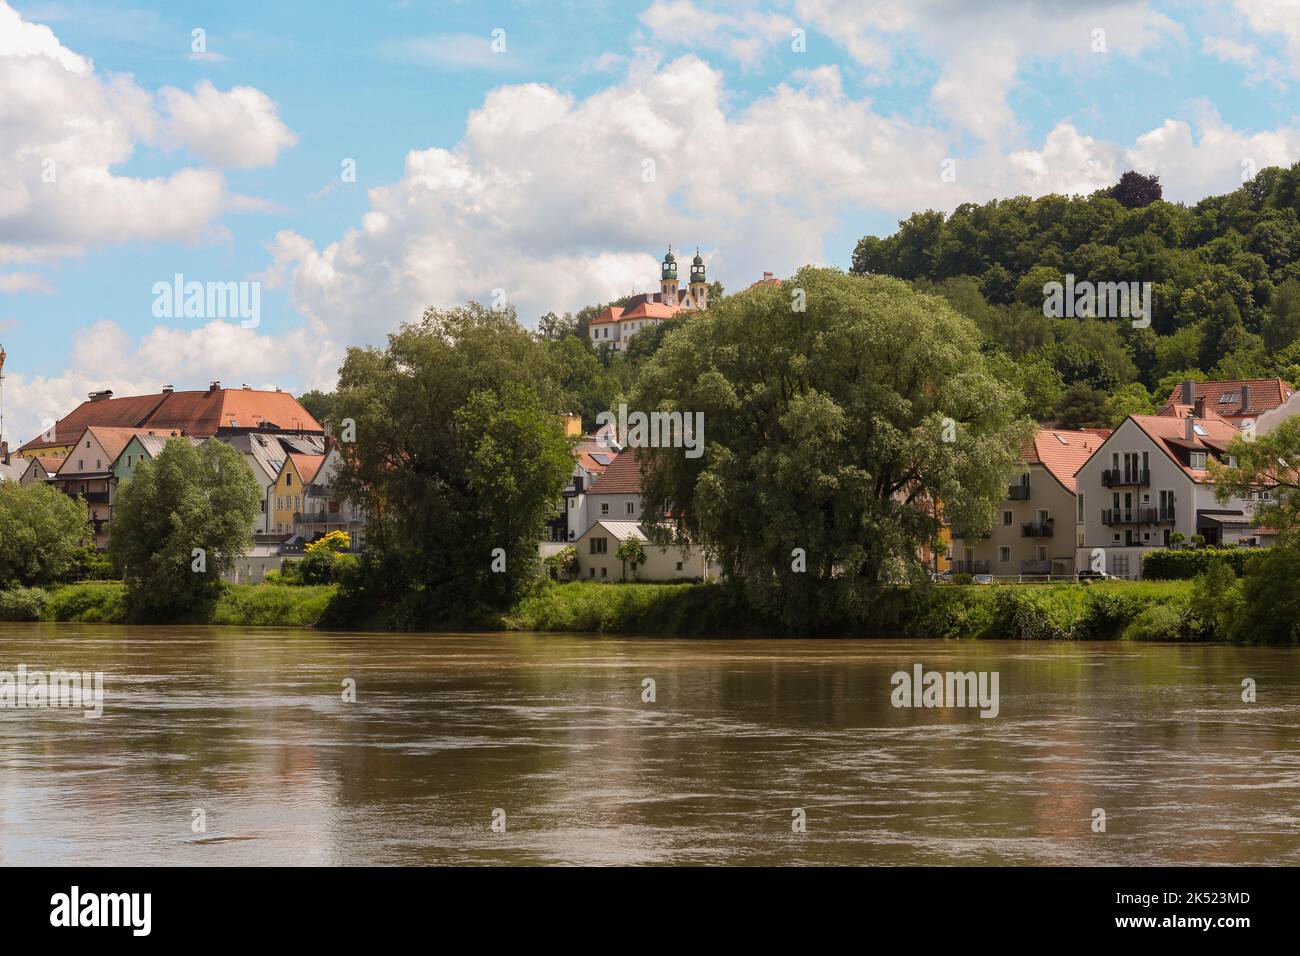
(1236,402)
(598,556)
(325,509)
(1149,481)
(1035,530)
(290,490)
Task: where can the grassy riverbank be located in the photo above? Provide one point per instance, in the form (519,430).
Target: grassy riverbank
(1113,610)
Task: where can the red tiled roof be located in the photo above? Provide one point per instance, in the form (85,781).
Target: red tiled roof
(650,310)
(1265,394)
(198,414)
(1168,432)
(622,477)
(1063,452)
(307,466)
(610,314)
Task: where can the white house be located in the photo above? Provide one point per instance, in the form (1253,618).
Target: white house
(598,556)
(1149,480)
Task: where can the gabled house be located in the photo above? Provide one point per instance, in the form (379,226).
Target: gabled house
(325,509)
(38,469)
(290,490)
(1035,528)
(615,494)
(138,449)
(87,471)
(1149,480)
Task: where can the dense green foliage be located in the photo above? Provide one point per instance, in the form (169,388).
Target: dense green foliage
(460,458)
(1225,275)
(1167,564)
(22,604)
(41,530)
(828,429)
(181,522)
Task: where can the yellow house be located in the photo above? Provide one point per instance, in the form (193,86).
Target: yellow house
(296,474)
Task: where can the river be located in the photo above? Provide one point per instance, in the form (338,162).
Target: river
(224,746)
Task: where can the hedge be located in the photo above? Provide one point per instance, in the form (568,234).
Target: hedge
(1167,564)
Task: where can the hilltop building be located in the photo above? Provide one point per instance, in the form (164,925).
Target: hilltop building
(618,324)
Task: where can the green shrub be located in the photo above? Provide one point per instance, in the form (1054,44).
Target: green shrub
(1161,622)
(102,602)
(1106,614)
(317,567)
(22,604)
(269,605)
(1167,564)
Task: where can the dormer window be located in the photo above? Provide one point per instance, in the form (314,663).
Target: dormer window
(1198,460)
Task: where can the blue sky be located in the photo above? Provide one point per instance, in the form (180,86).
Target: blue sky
(522,172)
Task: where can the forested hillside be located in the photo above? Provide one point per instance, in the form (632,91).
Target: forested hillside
(1225,277)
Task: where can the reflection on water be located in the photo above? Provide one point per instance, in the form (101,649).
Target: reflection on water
(250,727)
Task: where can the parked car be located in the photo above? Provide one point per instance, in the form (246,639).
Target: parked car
(1095,576)
(982,579)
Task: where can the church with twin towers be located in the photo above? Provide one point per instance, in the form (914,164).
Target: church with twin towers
(618,324)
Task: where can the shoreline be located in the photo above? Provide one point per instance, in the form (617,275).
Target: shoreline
(1147,611)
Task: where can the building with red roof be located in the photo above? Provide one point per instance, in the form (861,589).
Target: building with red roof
(618,324)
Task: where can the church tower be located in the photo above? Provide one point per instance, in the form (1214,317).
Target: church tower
(668,279)
(699,288)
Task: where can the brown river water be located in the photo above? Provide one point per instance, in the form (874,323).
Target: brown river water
(549,734)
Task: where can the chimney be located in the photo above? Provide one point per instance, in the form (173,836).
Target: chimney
(100,396)
(1199,406)
(167,389)
(1245,399)
(213,387)
(1189,431)
(767,276)
(1189,392)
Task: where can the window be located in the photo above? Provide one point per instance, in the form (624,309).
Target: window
(128,461)
(604,507)
(679,565)
(1079,514)
(99,464)
(81,464)
(604,572)
(631,507)
(1006,517)
(1004,555)
(599,545)
(288,481)
(591,572)
(1198,460)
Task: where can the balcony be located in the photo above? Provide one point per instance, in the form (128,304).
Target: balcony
(321,517)
(970,567)
(1037,529)
(1018,491)
(1114,516)
(94,497)
(1117,477)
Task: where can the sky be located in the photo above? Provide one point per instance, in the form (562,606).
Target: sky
(354,163)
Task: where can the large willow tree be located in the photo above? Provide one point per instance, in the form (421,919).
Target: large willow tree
(837,411)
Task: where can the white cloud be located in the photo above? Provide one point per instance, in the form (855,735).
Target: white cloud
(981,47)
(1276,16)
(744,34)
(25,282)
(512,207)
(238,128)
(104,356)
(64,128)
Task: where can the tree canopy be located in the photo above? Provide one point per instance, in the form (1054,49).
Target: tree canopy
(830,433)
(41,530)
(181,522)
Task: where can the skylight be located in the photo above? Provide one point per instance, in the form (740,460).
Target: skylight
(1227,398)
(1062,439)
(1199,430)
